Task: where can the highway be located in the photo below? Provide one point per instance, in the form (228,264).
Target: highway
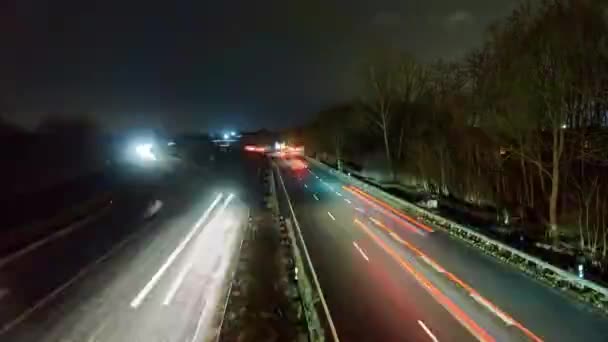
(122,277)
(387,278)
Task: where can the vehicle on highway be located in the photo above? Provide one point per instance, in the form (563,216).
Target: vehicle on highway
(153,208)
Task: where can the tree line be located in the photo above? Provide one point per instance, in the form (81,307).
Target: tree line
(520,123)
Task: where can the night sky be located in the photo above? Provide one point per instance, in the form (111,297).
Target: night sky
(189,65)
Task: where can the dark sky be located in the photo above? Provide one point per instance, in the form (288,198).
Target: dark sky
(212,64)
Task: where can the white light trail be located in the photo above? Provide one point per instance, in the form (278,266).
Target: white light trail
(361,251)
(428,331)
(136,302)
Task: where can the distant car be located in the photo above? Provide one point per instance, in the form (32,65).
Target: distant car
(153,209)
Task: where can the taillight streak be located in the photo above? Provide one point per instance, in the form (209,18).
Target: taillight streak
(440,269)
(442,299)
(382,204)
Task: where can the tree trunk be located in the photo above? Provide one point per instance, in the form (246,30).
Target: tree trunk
(387,147)
(525,181)
(558,145)
(580,228)
(400,150)
(338,154)
(442,172)
(531,189)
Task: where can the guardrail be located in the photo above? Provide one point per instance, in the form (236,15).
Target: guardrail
(319,322)
(583,289)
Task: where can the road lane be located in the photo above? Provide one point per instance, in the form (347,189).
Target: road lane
(366,297)
(80,287)
(538,308)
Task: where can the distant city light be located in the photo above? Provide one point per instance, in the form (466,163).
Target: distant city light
(226,136)
(233,133)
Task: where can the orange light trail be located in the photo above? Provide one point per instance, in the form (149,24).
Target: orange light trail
(448,274)
(370,200)
(442,299)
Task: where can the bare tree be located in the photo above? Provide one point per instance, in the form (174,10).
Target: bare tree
(379,102)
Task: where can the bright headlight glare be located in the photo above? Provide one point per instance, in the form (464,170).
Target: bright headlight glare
(144,151)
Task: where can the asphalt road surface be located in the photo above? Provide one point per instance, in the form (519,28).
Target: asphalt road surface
(121,277)
(387,279)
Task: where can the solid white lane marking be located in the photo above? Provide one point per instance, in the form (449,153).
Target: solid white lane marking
(484,302)
(348,201)
(136,302)
(330,215)
(339,194)
(361,251)
(428,331)
(306,186)
(177,283)
(315,279)
(4,292)
(315,196)
(433,265)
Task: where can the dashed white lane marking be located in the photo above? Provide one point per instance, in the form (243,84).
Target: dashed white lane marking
(176,284)
(348,201)
(4,292)
(339,194)
(315,196)
(376,222)
(199,323)
(330,215)
(484,302)
(397,238)
(98,330)
(360,210)
(428,331)
(136,302)
(306,186)
(433,265)
(361,251)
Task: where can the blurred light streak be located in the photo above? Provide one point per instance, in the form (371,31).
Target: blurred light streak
(442,299)
(360,194)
